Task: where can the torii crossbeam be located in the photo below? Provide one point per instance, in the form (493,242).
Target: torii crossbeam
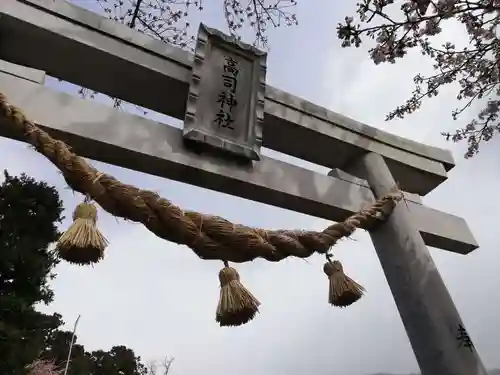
(68,42)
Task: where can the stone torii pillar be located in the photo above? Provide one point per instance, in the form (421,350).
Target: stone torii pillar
(64,40)
(436,332)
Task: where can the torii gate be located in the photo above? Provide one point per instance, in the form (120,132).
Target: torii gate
(68,42)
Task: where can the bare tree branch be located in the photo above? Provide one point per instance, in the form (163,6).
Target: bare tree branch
(153,366)
(167,21)
(136,12)
(167,364)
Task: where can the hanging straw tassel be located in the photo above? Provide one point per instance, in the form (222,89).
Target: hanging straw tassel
(343,290)
(82,243)
(237,305)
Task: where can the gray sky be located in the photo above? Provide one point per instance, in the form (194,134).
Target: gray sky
(160,299)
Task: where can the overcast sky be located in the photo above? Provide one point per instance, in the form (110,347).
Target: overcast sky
(160,299)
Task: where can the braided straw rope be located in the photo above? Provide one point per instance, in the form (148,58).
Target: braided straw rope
(210,237)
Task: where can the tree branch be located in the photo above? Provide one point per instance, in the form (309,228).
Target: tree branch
(136,12)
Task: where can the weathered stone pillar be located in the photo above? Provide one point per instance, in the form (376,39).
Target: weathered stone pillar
(436,332)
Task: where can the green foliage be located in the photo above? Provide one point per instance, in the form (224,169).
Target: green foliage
(29,214)
(120,360)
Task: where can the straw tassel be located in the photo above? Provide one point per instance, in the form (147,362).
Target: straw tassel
(82,243)
(237,305)
(343,290)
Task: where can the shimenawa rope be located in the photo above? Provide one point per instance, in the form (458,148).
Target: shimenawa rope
(210,237)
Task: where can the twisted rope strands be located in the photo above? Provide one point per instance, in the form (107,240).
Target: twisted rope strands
(210,237)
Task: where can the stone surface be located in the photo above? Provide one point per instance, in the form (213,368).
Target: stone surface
(434,327)
(105,134)
(225,103)
(414,198)
(34,75)
(110,58)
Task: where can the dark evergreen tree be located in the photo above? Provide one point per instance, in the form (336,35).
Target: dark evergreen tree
(29,214)
(119,360)
(57,347)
